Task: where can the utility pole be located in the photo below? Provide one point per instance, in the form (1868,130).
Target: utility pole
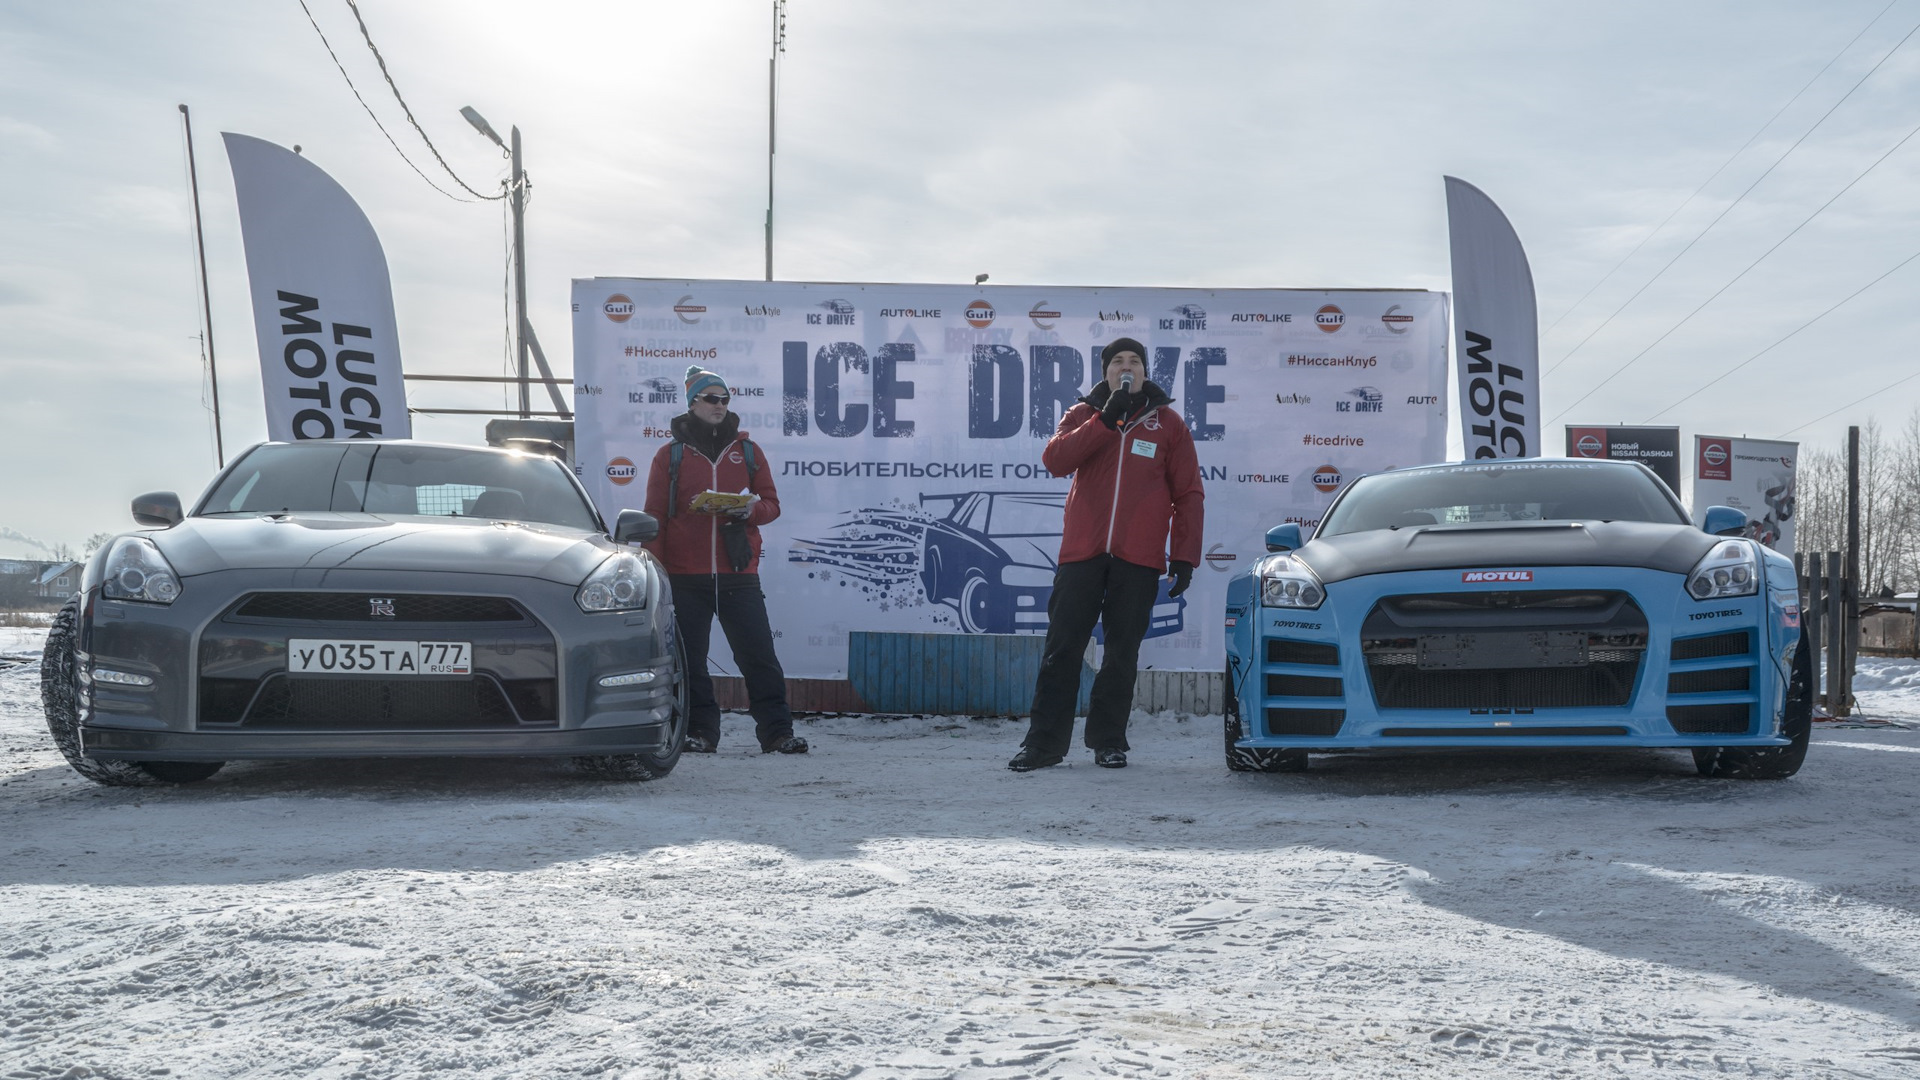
(773,81)
(1850,643)
(206,298)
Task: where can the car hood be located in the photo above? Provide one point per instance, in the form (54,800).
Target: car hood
(1516,545)
(327,541)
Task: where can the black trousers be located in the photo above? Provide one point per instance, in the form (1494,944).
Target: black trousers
(742,609)
(1103,589)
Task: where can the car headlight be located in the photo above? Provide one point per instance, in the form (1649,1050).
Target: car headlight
(136,570)
(1730,569)
(620,584)
(1289,583)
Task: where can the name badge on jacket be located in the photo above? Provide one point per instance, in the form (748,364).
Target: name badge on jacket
(1145,448)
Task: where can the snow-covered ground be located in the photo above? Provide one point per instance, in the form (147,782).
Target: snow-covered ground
(896,904)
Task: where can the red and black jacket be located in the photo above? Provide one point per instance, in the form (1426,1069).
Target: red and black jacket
(691,543)
(1132,485)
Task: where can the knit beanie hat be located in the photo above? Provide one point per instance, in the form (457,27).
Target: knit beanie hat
(1118,346)
(700,379)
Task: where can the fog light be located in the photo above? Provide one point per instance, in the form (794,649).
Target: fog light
(630,679)
(121,678)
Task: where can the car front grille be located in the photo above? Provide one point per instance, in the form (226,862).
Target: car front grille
(372,608)
(1504,649)
(1724,719)
(349,703)
(1732,673)
(1322,722)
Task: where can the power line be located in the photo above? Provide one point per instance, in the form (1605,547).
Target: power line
(1729,208)
(1716,173)
(1850,404)
(403,104)
(369,108)
(1783,340)
(1743,273)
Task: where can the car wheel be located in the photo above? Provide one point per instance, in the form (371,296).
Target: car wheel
(973,604)
(1772,762)
(1249,758)
(650,766)
(60,700)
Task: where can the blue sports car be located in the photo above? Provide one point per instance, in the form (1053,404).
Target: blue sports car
(1518,603)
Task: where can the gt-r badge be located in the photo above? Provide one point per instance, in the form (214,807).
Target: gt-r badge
(1476,576)
(380,607)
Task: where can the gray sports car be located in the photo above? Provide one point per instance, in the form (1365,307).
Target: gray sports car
(358,599)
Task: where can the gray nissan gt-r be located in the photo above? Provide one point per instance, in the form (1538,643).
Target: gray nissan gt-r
(369,599)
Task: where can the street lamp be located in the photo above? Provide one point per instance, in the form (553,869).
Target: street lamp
(517,199)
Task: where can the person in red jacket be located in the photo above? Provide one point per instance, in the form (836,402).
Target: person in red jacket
(1136,480)
(713,561)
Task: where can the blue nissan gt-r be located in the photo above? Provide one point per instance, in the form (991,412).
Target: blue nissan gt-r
(1518,603)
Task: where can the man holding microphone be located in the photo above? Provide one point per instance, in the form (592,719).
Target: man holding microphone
(1136,495)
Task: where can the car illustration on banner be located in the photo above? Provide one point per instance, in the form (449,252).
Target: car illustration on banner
(988,555)
(357,598)
(1540,603)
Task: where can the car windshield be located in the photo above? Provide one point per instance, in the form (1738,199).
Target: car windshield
(1475,494)
(401,478)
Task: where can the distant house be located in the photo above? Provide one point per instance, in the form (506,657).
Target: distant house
(20,582)
(60,580)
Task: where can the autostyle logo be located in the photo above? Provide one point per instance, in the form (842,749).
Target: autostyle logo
(621,471)
(1395,321)
(979,314)
(1330,319)
(1484,577)
(688,311)
(832,313)
(618,307)
(760,311)
(1368,399)
(1327,478)
(1042,315)
(1186,317)
(1295,398)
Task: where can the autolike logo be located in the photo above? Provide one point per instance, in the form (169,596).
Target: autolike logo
(1481,577)
(1043,316)
(621,471)
(980,314)
(685,307)
(1330,319)
(380,607)
(1327,478)
(619,308)
(1396,323)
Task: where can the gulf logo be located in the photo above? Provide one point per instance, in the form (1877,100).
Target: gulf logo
(618,308)
(1327,478)
(1475,577)
(621,471)
(1330,319)
(980,314)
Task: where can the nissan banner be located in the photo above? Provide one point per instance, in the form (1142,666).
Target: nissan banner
(1498,342)
(1658,448)
(1754,475)
(322,304)
(903,425)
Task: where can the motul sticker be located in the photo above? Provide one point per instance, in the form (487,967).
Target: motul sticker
(1473,576)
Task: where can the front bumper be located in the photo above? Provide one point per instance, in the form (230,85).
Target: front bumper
(1704,674)
(221,689)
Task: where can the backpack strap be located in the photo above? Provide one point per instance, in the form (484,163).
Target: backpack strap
(675,450)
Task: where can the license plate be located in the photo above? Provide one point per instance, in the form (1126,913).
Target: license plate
(1524,649)
(325,656)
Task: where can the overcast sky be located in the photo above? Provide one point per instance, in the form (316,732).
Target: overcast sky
(1217,144)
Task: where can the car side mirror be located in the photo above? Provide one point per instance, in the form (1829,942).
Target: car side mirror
(1284,537)
(635,527)
(160,508)
(1725,521)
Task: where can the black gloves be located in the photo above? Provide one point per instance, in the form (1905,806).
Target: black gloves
(1119,404)
(1182,575)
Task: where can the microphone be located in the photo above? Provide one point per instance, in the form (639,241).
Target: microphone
(1126,383)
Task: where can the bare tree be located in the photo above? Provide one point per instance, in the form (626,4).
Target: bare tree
(96,541)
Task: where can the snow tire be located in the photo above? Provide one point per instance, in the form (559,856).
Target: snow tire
(1771,762)
(1248,758)
(60,700)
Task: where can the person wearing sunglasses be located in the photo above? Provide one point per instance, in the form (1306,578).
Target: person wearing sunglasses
(713,561)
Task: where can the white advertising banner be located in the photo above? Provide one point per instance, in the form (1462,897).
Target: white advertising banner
(322,303)
(1498,347)
(904,424)
(1752,475)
